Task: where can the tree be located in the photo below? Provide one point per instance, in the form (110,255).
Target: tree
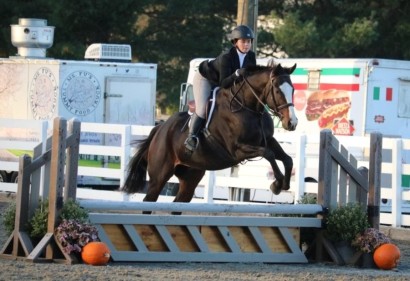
(344,28)
(102,21)
(172,32)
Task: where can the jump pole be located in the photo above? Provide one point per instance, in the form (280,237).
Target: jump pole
(277,209)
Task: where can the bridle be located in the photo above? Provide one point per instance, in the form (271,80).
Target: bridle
(272,111)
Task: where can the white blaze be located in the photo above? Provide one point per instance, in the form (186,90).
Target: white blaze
(287,90)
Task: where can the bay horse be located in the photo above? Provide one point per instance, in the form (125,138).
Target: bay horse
(241,128)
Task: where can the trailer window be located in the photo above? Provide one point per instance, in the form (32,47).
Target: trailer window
(313,79)
(404,100)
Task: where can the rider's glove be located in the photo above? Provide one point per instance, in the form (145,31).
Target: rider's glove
(240,72)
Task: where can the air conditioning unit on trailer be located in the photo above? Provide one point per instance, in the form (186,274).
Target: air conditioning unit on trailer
(108,52)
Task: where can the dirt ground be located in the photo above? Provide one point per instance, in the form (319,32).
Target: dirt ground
(22,270)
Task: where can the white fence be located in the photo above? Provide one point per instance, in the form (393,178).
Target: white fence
(228,184)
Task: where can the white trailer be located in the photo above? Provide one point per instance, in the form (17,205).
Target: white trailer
(105,88)
(103,92)
(352,97)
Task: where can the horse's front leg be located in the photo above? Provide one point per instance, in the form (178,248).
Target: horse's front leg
(283,182)
(245,151)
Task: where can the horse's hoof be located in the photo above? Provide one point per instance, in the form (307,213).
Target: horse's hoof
(276,189)
(286,188)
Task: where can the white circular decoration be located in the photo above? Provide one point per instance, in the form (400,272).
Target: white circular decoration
(43,94)
(81,93)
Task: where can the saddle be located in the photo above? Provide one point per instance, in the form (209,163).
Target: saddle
(210,106)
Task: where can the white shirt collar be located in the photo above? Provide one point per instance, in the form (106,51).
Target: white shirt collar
(241,57)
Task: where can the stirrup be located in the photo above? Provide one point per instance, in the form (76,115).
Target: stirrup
(191,143)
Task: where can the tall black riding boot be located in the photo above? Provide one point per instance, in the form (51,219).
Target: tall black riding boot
(197,122)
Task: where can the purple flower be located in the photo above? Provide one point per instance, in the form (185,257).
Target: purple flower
(73,235)
(370,240)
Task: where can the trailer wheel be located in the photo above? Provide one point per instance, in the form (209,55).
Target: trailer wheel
(3,176)
(14,177)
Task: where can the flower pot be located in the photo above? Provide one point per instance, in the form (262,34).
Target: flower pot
(345,250)
(368,261)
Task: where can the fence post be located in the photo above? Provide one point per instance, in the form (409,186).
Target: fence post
(328,171)
(361,193)
(323,194)
(126,152)
(375,166)
(44,175)
(73,143)
(343,195)
(57,176)
(209,187)
(22,209)
(396,188)
(300,161)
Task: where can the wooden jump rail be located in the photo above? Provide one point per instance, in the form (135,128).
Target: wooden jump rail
(205,232)
(62,172)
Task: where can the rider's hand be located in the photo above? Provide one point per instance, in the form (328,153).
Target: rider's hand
(240,72)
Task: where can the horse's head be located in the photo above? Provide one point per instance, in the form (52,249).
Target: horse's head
(273,89)
(280,96)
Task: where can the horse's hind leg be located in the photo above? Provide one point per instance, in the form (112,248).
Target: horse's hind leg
(188,181)
(157,180)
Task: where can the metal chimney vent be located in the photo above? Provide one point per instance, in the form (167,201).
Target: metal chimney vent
(108,52)
(32,37)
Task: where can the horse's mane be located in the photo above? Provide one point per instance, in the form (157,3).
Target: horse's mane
(254,69)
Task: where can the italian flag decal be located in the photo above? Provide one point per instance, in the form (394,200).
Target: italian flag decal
(386,95)
(347,79)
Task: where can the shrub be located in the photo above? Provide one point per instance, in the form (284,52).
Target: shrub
(73,210)
(308,198)
(345,222)
(9,217)
(37,226)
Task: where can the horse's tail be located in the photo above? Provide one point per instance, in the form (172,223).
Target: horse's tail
(137,167)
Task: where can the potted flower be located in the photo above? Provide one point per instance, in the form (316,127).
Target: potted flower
(343,224)
(367,242)
(74,230)
(73,235)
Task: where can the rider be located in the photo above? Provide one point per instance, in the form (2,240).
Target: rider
(222,72)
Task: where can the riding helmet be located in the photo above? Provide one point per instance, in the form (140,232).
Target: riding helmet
(241,32)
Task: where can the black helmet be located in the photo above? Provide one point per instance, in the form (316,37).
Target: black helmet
(240,32)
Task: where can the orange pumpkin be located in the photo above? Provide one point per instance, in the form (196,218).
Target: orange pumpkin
(386,256)
(95,253)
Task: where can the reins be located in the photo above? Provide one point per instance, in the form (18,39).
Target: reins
(266,108)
